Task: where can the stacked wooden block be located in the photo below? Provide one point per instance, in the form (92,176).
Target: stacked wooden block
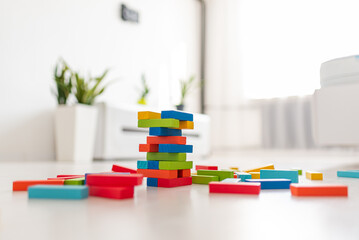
(166,148)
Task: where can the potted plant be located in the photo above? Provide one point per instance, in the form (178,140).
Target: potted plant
(75,125)
(186,86)
(144,91)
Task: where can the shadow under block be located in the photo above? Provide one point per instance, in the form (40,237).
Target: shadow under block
(23,185)
(272,183)
(238,188)
(118,168)
(166,140)
(148,115)
(58,192)
(274,174)
(318,190)
(271,166)
(203,167)
(221,174)
(175,148)
(204,179)
(183,116)
(75,181)
(185,125)
(181,157)
(169,183)
(152,173)
(169,123)
(314,175)
(112,192)
(160,131)
(114,180)
(255,175)
(148,147)
(348,174)
(243,176)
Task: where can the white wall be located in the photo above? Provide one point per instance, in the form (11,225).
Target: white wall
(90,36)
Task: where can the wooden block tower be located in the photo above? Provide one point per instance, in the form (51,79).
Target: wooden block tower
(166,148)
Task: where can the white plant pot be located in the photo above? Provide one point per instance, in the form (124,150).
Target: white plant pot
(75,131)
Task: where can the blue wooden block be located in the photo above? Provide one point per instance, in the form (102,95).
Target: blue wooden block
(58,192)
(243,176)
(348,174)
(161,131)
(231,180)
(152,182)
(105,173)
(175,148)
(177,115)
(275,174)
(272,183)
(147,165)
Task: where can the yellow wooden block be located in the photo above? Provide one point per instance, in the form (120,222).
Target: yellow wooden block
(234,168)
(148,115)
(186,125)
(271,166)
(314,175)
(255,175)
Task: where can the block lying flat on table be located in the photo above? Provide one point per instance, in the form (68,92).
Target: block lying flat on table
(243,176)
(175,148)
(185,125)
(183,116)
(148,148)
(239,188)
(166,140)
(204,179)
(169,123)
(221,174)
(348,174)
(75,181)
(271,166)
(174,165)
(255,175)
(114,180)
(314,175)
(23,185)
(203,167)
(111,192)
(118,168)
(272,183)
(231,180)
(147,164)
(58,192)
(183,173)
(152,173)
(318,190)
(148,115)
(274,174)
(166,156)
(123,173)
(175,182)
(159,131)
(234,168)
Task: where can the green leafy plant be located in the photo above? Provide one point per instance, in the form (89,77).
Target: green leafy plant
(186,86)
(63,80)
(144,91)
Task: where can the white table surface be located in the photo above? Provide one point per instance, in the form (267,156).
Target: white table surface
(188,212)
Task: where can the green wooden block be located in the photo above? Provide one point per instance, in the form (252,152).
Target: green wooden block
(221,174)
(169,123)
(75,181)
(155,156)
(168,165)
(204,179)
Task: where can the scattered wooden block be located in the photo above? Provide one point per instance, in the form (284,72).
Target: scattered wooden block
(58,192)
(166,157)
(75,181)
(169,123)
(183,116)
(114,180)
(272,183)
(203,179)
(231,180)
(159,131)
(274,174)
(175,148)
(185,125)
(238,188)
(255,175)
(22,185)
(203,167)
(234,168)
(166,140)
(348,174)
(271,166)
(314,175)
(243,176)
(174,165)
(118,168)
(111,192)
(175,182)
(318,190)
(123,173)
(184,173)
(148,115)
(221,174)
(147,164)
(152,173)
(148,148)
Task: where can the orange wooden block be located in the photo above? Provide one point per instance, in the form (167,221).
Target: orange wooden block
(22,185)
(318,190)
(184,173)
(186,125)
(148,148)
(166,140)
(271,166)
(154,173)
(148,115)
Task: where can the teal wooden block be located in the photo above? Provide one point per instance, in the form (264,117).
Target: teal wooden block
(243,176)
(58,192)
(282,174)
(348,174)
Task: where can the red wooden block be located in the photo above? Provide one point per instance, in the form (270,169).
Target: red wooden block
(175,182)
(118,168)
(24,184)
(184,173)
(154,173)
(114,180)
(235,176)
(318,190)
(148,148)
(240,188)
(166,140)
(203,167)
(111,192)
